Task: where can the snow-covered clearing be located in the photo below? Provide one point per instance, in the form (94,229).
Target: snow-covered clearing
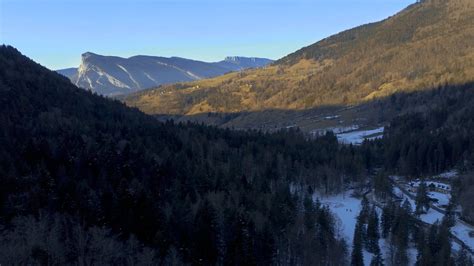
(346,209)
(357,137)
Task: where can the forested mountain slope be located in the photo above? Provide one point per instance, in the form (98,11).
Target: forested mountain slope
(429,44)
(87,180)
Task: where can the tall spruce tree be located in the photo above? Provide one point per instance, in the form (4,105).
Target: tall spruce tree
(373,234)
(387,218)
(206,234)
(377,259)
(463,258)
(422,200)
(357,257)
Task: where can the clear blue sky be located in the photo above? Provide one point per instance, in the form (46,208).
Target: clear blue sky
(56,32)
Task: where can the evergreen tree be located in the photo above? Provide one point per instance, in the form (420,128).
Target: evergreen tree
(309,213)
(443,256)
(422,200)
(449,218)
(266,246)
(365,210)
(382,186)
(463,258)
(377,259)
(206,235)
(406,208)
(387,218)
(400,233)
(373,234)
(357,257)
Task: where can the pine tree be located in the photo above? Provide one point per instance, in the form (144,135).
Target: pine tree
(377,259)
(387,218)
(382,186)
(443,256)
(400,233)
(372,235)
(309,213)
(206,234)
(422,200)
(365,210)
(463,259)
(449,218)
(357,257)
(266,249)
(406,207)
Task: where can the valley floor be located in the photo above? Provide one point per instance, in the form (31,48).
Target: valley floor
(346,208)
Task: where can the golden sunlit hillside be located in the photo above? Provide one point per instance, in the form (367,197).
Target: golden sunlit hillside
(427,45)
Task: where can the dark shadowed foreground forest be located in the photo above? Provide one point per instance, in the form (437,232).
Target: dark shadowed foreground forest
(86,180)
(111,185)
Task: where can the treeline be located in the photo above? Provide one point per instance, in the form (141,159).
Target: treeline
(436,136)
(185,193)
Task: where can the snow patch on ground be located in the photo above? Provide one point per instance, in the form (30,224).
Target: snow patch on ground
(357,137)
(331,117)
(461,231)
(443,199)
(335,130)
(448,175)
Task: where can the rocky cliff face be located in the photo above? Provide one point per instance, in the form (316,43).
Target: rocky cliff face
(111,75)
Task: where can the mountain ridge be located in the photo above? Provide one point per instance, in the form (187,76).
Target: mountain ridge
(114,75)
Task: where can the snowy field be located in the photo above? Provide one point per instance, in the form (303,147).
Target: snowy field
(346,209)
(357,137)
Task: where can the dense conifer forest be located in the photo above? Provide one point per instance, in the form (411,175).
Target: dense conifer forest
(111,185)
(87,180)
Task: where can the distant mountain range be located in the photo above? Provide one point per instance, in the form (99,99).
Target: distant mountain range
(112,75)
